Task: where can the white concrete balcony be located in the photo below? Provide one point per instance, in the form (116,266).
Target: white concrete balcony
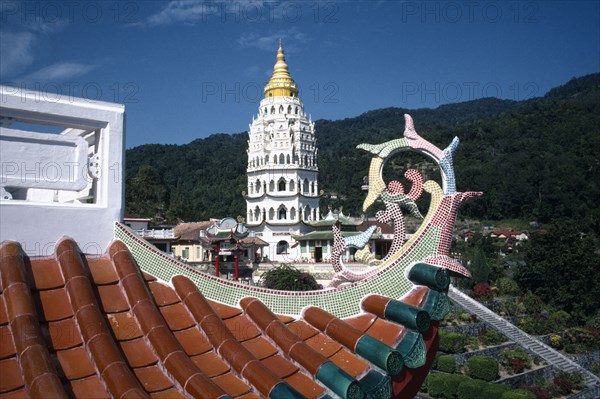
(61,169)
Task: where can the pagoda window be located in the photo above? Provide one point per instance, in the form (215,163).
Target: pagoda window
(251,188)
(272,110)
(287,159)
(292,185)
(281,159)
(293,214)
(257,185)
(271,214)
(305,186)
(257,214)
(307,213)
(250,216)
(312,188)
(281,185)
(282,247)
(282,213)
(314,214)
(271,186)
(296,111)
(281,109)
(306,160)
(266,159)
(289,111)
(266,112)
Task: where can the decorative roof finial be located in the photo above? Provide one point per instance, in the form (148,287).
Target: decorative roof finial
(281,83)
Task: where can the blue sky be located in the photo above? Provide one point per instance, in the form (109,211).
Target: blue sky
(188,69)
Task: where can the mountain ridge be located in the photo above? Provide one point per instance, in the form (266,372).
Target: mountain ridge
(505,144)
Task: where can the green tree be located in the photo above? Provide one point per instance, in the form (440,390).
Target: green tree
(562,269)
(145,194)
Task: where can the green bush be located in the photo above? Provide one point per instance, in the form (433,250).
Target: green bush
(561,320)
(472,343)
(465,317)
(436,385)
(494,391)
(515,360)
(452,383)
(446,363)
(594,321)
(518,394)
(507,286)
(533,303)
(483,368)
(285,277)
(471,389)
(579,340)
(539,324)
(492,337)
(452,342)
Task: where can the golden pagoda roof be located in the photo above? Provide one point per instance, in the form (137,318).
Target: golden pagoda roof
(281,83)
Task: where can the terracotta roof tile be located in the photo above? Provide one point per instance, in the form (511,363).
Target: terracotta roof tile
(114,331)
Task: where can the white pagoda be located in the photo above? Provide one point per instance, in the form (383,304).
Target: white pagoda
(283,192)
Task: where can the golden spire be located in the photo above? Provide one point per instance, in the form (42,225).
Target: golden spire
(281,83)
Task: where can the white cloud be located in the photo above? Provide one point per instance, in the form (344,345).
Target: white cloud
(291,38)
(252,11)
(16,50)
(59,71)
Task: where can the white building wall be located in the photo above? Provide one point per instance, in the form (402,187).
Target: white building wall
(282,174)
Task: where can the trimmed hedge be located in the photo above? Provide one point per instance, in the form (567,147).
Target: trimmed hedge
(451,342)
(518,394)
(452,384)
(458,386)
(471,389)
(435,385)
(495,391)
(446,363)
(444,385)
(483,368)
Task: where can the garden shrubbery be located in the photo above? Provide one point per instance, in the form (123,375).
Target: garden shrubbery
(471,389)
(482,292)
(518,394)
(446,363)
(492,337)
(516,360)
(483,368)
(580,340)
(285,277)
(494,391)
(452,342)
(507,286)
(458,386)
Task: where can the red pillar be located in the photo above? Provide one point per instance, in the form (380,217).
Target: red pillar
(236,267)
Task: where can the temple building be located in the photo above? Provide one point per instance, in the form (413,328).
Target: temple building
(283,192)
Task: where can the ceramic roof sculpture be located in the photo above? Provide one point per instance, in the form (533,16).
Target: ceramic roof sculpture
(134,322)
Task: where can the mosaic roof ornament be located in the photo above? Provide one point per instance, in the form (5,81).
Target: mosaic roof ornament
(402,295)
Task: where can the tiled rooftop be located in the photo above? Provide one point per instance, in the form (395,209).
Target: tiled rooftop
(74,325)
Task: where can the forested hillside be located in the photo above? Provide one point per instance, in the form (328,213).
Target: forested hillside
(534,160)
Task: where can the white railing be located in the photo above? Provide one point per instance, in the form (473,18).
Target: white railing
(156,234)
